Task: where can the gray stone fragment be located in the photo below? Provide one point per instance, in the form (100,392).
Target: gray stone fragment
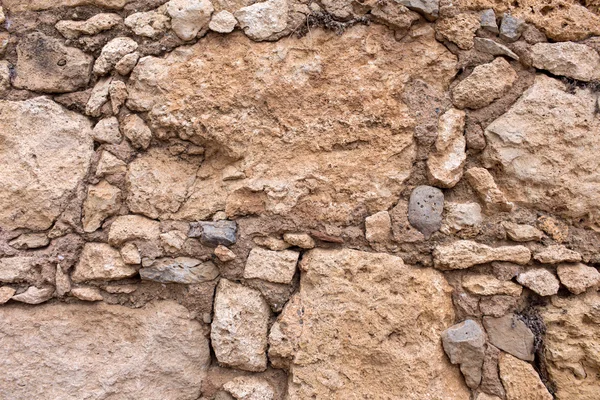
(510,334)
(511,28)
(430,9)
(214,232)
(488,20)
(425,209)
(494,48)
(464,344)
(179,270)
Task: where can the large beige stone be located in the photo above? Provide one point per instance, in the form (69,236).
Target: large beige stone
(520,380)
(571,343)
(75,351)
(463,254)
(546,146)
(132,227)
(102,201)
(319,143)
(578,277)
(368,326)
(44,153)
(572,60)
(100,261)
(445,163)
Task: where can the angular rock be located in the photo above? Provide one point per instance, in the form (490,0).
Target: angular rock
(425,209)
(30,241)
(486,189)
(133,227)
(6,292)
(505,270)
(107,131)
(285,333)
(459,29)
(557,254)
(98,97)
(240,326)
(135,129)
(4,75)
(486,285)
(155,352)
(34,295)
(498,306)
(99,261)
(522,233)
(188,17)
(62,282)
(458,216)
(112,52)
(510,334)
(271,266)
(490,376)
(367,359)
(494,48)
(302,240)
(378,227)
(445,163)
(569,59)
(511,28)
(44,64)
(109,165)
(463,254)
(117,91)
(540,280)
(179,270)
(520,380)
(16,269)
(223,22)
(130,254)
(224,254)
(554,228)
(102,201)
(250,388)
(173,240)
(29,155)
(578,277)
(87,293)
(271,243)
(464,344)
(149,24)
(260,21)
(428,8)
(126,64)
(487,83)
(214,233)
(92,26)
(488,22)
(539,145)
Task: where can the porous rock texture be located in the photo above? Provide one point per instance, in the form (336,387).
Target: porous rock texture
(299,199)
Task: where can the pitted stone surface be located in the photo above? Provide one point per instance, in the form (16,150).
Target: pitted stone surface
(425,209)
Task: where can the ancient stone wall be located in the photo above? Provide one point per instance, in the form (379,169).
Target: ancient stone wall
(299,199)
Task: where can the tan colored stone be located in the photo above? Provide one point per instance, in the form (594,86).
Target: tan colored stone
(459,216)
(107,131)
(378,227)
(498,306)
(271,266)
(109,165)
(102,201)
(271,243)
(367,165)
(556,254)
(522,233)
(486,285)
(188,17)
(130,254)
(261,21)
(511,334)
(486,83)
(34,295)
(222,22)
(459,29)
(99,261)
(367,359)
(569,59)
(463,254)
(118,289)
(112,52)
(224,254)
(16,269)
(490,380)
(302,240)
(486,189)
(98,97)
(540,280)
(539,145)
(250,388)
(132,227)
(485,396)
(554,228)
(40,167)
(6,292)
(155,352)
(62,281)
(445,164)
(520,380)
(578,277)
(149,24)
(87,293)
(126,64)
(173,240)
(117,91)
(39,5)
(92,26)
(158,184)
(135,129)
(240,326)
(30,241)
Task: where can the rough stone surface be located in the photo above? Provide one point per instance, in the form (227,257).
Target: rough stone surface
(522,233)
(149,24)
(484,185)
(92,26)
(250,388)
(188,17)
(107,131)
(34,295)
(556,254)
(540,280)
(511,28)
(463,254)
(109,165)
(486,285)
(445,164)
(459,216)
(102,201)
(29,155)
(99,261)
(130,254)
(132,227)
(464,344)
(459,29)
(486,83)
(428,8)
(214,233)
(30,241)
(520,380)
(494,48)
(142,352)
(510,334)
(16,269)
(488,21)
(490,376)
(261,21)
(302,240)
(135,129)
(6,292)
(179,270)
(271,266)
(425,209)
(87,293)
(46,65)
(539,145)
(578,277)
(112,52)
(224,254)
(367,359)
(222,22)
(378,227)
(572,60)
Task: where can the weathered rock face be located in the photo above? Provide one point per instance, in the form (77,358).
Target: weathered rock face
(543,146)
(347,348)
(367,163)
(101,351)
(29,156)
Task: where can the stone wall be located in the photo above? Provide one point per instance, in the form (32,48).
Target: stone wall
(298,199)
